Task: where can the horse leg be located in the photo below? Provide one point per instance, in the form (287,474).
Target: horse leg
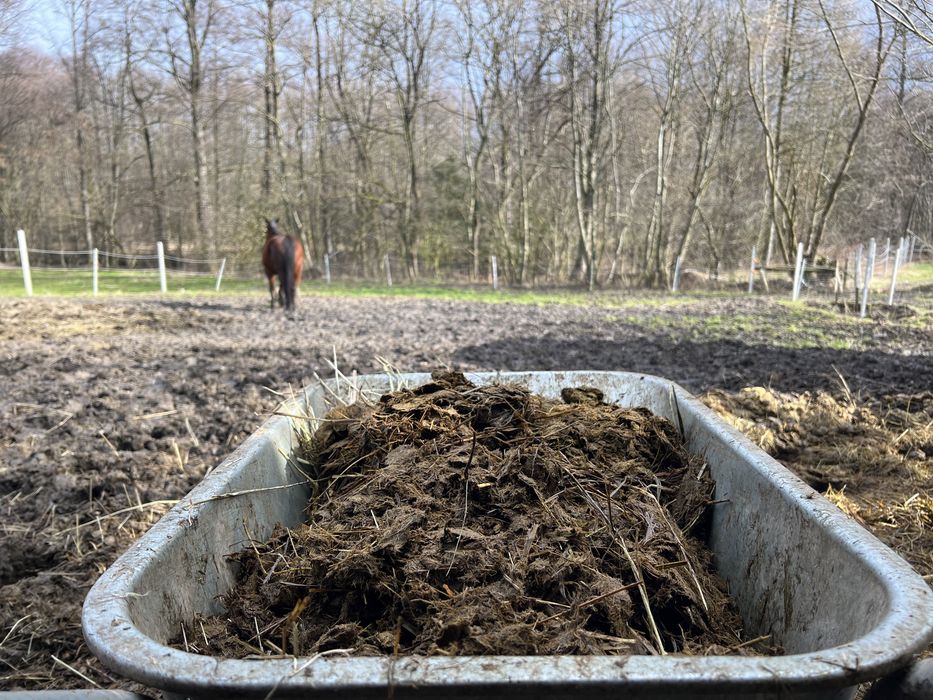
(271,294)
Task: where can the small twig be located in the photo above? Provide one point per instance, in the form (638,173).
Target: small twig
(339,399)
(74,670)
(673,564)
(252,543)
(293,465)
(234,494)
(194,438)
(78,537)
(736,647)
(676,406)
(181,462)
(590,601)
(683,550)
(642,590)
(60,423)
(275,564)
(299,669)
(845,385)
(466,500)
(109,444)
(288,625)
(15,625)
(157,414)
(258,636)
(140,506)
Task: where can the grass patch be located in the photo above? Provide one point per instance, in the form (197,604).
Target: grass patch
(609,299)
(916,273)
(788,324)
(69,283)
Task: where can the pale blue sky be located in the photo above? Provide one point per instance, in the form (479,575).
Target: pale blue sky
(45,26)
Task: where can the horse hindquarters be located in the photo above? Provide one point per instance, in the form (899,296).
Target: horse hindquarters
(268,264)
(287,272)
(299,263)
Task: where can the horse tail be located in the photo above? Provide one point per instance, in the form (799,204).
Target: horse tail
(287,272)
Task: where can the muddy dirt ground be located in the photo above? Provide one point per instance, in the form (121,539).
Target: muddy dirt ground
(109,411)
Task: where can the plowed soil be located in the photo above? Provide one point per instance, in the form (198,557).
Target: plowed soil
(109,411)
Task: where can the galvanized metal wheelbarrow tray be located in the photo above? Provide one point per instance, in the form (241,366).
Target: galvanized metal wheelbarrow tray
(844,606)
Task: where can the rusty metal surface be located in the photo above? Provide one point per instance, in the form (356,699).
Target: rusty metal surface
(845,607)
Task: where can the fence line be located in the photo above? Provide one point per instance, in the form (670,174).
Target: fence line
(865,267)
(807,276)
(93,264)
(136,256)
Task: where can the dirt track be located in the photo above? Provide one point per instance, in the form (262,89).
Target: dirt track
(112,408)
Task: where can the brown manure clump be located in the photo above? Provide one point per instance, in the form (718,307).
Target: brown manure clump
(457,519)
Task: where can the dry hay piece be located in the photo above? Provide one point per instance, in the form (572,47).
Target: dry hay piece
(456,519)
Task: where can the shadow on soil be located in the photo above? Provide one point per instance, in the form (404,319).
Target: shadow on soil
(724,364)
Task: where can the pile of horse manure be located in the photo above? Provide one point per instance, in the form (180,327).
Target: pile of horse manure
(456,519)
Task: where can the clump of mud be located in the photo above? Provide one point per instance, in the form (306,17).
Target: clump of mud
(456,519)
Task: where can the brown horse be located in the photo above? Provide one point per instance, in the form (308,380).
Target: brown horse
(282,257)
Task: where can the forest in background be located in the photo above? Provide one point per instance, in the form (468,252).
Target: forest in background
(588,141)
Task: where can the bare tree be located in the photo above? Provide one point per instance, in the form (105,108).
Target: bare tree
(484,43)
(12,14)
(916,16)
(588,33)
(712,81)
(353,93)
(676,29)
(803,193)
(197,18)
(863,92)
(781,216)
(78,14)
(142,95)
(404,39)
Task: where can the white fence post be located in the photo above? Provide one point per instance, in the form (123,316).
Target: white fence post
(897,264)
(910,254)
(220,274)
(869,271)
(24,261)
(798,272)
(94,271)
(675,285)
(751,270)
(887,254)
(388,270)
(327,268)
(160,250)
(495,272)
(858,270)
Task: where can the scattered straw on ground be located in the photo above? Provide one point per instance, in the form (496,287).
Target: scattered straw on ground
(873,459)
(455,519)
